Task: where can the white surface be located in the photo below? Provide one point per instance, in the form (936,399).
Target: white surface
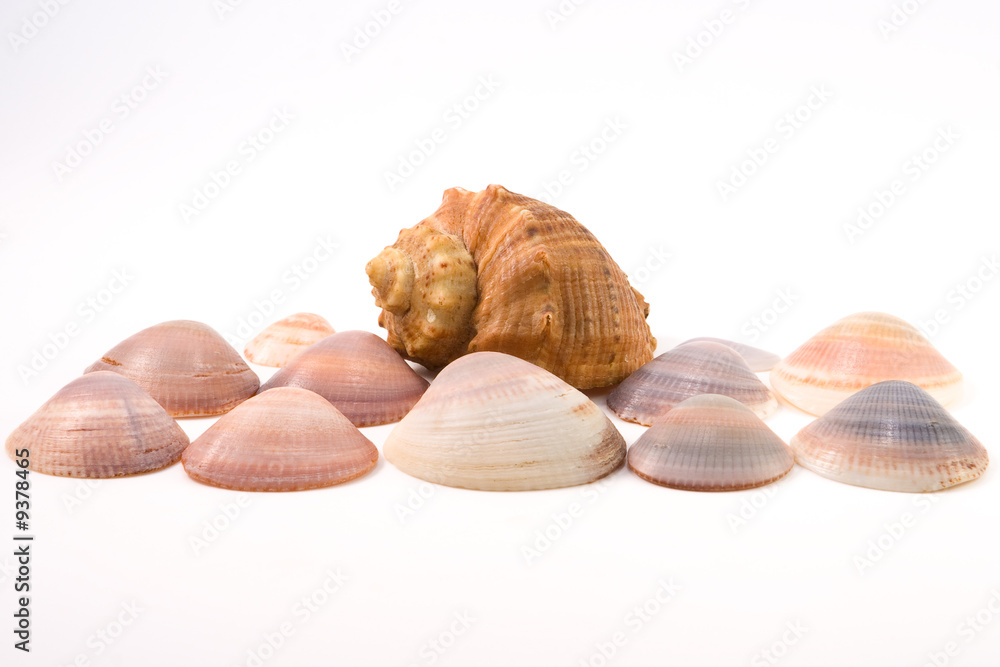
(652,192)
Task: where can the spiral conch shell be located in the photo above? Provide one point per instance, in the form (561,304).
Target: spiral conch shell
(498,271)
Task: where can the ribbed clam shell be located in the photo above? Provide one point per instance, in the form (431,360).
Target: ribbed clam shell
(710,443)
(187,367)
(859,351)
(359,373)
(894,436)
(277,344)
(498,271)
(99,425)
(494,422)
(757,359)
(285,439)
(701,367)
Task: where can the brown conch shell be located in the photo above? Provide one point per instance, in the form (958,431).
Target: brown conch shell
(187,367)
(277,344)
(498,271)
(358,373)
(99,425)
(859,351)
(286,439)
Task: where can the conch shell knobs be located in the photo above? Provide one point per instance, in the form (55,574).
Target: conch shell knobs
(498,271)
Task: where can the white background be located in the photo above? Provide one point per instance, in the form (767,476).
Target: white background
(652,190)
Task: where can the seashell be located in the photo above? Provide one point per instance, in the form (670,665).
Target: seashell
(187,367)
(278,343)
(498,271)
(710,443)
(859,351)
(359,374)
(701,367)
(893,436)
(757,359)
(494,422)
(285,439)
(99,425)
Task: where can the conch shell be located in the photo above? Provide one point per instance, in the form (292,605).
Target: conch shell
(498,271)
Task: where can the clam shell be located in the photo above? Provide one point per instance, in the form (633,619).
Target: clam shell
(893,436)
(285,439)
(187,367)
(359,374)
(277,344)
(493,422)
(498,271)
(858,351)
(701,367)
(757,359)
(710,443)
(99,425)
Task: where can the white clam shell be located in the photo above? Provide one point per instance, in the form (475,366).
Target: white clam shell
(494,422)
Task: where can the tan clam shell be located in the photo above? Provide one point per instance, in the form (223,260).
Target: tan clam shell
(99,425)
(359,374)
(858,351)
(710,443)
(494,422)
(285,439)
(281,341)
(498,271)
(757,359)
(893,436)
(700,367)
(187,367)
